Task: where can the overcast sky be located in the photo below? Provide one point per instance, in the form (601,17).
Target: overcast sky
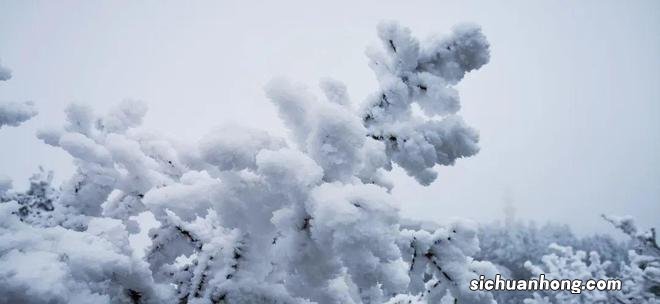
(568,108)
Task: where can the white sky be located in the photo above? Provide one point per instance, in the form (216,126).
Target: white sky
(568,108)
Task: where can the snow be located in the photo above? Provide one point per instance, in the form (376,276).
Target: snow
(15,113)
(245,217)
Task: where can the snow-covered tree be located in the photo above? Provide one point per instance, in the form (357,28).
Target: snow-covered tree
(246,217)
(641,277)
(608,249)
(565,263)
(510,246)
(639,274)
(513,243)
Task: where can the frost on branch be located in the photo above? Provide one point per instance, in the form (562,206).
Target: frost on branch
(641,277)
(645,241)
(57,265)
(35,204)
(409,73)
(423,74)
(14,113)
(246,217)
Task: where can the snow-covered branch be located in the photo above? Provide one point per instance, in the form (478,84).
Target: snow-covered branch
(14,113)
(246,217)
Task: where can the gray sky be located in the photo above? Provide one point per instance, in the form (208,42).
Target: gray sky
(568,108)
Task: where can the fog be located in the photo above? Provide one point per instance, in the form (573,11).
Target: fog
(568,108)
